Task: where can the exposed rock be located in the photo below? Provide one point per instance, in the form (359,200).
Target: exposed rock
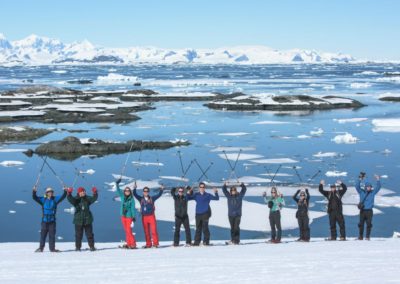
(282,103)
(80,81)
(21,133)
(71,148)
(390,99)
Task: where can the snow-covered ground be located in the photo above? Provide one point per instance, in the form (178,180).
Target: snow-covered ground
(377,261)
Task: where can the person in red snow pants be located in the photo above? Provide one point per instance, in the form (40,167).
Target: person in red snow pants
(147,210)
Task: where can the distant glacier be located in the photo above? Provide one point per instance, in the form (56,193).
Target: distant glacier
(36,50)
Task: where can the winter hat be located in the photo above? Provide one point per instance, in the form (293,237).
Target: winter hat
(81,189)
(333,185)
(367,184)
(49,189)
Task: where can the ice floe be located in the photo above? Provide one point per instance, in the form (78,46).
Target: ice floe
(346,138)
(275,161)
(241,157)
(386,125)
(360,85)
(325,155)
(349,120)
(11,163)
(336,174)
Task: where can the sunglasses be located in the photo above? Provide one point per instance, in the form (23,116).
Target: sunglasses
(202,187)
(180,191)
(146,191)
(273,192)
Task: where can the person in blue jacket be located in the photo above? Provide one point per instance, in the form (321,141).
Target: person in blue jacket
(366,205)
(203,212)
(147,209)
(234,199)
(49,204)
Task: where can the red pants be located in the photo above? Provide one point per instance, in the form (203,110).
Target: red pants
(149,223)
(130,238)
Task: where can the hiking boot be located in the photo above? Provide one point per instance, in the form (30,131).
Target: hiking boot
(146,247)
(92,249)
(175,245)
(39,250)
(55,250)
(360,238)
(342,238)
(330,239)
(299,240)
(188,245)
(367,239)
(277,241)
(196,244)
(77,249)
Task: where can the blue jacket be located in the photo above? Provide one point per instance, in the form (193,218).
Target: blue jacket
(147,206)
(49,206)
(234,201)
(203,201)
(369,200)
(127,204)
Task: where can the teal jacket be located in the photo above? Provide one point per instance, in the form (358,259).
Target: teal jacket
(127,204)
(277,203)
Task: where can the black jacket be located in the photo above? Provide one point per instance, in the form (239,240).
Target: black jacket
(181,203)
(234,201)
(302,206)
(334,198)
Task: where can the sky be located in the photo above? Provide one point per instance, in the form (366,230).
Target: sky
(366,29)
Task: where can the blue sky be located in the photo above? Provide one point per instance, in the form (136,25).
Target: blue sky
(363,28)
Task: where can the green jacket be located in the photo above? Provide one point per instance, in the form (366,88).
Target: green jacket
(127,204)
(278,202)
(82,215)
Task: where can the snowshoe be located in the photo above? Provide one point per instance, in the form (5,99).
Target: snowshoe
(39,250)
(55,250)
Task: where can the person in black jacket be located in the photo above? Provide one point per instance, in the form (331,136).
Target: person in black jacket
(234,210)
(335,208)
(181,216)
(302,214)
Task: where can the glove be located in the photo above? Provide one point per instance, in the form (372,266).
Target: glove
(133,219)
(94,190)
(70,190)
(118,181)
(34,189)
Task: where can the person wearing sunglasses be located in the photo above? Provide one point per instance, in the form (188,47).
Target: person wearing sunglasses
(275,204)
(181,215)
(335,208)
(128,214)
(147,209)
(366,205)
(203,212)
(302,214)
(234,199)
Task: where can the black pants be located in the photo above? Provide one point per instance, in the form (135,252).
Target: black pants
(304,227)
(179,221)
(50,229)
(275,222)
(366,217)
(235,228)
(337,217)
(202,226)
(79,235)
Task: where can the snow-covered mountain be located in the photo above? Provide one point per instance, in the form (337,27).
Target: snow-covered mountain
(36,50)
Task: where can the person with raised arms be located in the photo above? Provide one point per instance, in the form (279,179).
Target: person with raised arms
(83,217)
(366,205)
(335,208)
(203,212)
(128,214)
(49,203)
(303,203)
(181,215)
(275,204)
(147,209)
(234,199)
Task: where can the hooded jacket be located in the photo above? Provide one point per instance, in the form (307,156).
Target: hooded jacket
(83,215)
(181,204)
(334,198)
(234,201)
(127,204)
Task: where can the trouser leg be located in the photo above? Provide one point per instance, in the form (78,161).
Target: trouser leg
(154,232)
(369,217)
(178,224)
(206,230)
(199,229)
(332,224)
(146,229)
(89,235)
(272,224)
(236,237)
(232,224)
(278,225)
(43,234)
(187,230)
(342,226)
(78,236)
(52,235)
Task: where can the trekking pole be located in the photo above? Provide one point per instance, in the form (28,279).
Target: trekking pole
(232,167)
(204,172)
(126,161)
(314,176)
(277,170)
(180,160)
(297,173)
(55,174)
(40,173)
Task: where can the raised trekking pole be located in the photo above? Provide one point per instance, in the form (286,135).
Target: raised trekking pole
(40,173)
(276,172)
(183,169)
(54,173)
(204,172)
(233,167)
(126,160)
(297,173)
(314,176)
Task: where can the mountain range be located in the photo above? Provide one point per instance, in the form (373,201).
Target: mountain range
(37,50)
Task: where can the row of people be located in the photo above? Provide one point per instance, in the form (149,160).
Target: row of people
(83,217)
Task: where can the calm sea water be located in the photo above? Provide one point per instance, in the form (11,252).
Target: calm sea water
(207,129)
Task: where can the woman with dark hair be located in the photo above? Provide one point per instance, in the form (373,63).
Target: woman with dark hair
(302,214)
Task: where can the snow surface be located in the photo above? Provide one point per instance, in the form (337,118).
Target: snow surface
(376,261)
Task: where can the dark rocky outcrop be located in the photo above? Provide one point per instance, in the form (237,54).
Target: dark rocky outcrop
(71,148)
(21,133)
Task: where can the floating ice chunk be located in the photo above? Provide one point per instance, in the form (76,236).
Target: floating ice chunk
(348,120)
(140,163)
(88,172)
(360,85)
(241,157)
(11,163)
(59,71)
(20,202)
(114,78)
(346,138)
(303,136)
(60,238)
(176,140)
(336,174)
(174,178)
(273,122)
(11,150)
(70,210)
(18,113)
(233,149)
(275,161)
(325,155)
(234,134)
(12,211)
(317,132)
(386,125)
